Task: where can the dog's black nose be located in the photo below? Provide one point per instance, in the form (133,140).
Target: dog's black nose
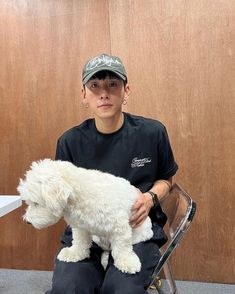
(28,223)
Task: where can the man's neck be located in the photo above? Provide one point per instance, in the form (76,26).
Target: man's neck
(109,125)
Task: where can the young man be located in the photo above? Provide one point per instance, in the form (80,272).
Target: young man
(125,145)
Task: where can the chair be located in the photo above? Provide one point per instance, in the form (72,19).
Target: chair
(179,209)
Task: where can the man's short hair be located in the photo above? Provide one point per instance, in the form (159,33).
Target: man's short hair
(101,75)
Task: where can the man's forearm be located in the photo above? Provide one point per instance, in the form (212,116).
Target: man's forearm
(162,187)
(147,200)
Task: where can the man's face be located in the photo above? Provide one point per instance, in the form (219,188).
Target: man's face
(105,96)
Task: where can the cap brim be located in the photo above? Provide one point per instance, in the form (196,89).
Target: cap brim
(89,76)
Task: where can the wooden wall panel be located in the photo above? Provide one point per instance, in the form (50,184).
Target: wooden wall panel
(43,47)
(180,61)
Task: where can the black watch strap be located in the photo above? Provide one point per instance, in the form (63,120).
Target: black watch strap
(154,198)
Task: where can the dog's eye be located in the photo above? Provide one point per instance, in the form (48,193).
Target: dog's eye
(35,204)
(28,202)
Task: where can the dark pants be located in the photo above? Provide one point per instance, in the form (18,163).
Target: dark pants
(89,277)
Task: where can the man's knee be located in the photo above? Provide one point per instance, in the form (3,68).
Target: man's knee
(76,278)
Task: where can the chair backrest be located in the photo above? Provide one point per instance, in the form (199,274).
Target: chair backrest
(179,209)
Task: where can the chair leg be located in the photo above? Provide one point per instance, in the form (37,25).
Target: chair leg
(159,289)
(169,278)
(157,285)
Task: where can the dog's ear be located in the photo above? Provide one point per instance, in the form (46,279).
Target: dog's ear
(19,187)
(56,196)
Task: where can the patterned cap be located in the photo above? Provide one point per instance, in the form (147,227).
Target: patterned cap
(103,62)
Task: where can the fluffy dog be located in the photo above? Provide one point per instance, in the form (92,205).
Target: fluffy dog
(96,205)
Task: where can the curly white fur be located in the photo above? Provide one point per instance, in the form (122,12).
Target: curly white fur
(96,205)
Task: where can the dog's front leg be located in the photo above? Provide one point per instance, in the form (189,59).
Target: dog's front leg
(80,248)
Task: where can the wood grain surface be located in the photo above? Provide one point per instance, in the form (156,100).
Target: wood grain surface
(179,56)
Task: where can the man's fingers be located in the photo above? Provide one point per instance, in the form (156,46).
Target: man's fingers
(139,212)
(139,222)
(137,205)
(138,216)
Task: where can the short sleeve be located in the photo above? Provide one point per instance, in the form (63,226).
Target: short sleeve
(62,153)
(167,166)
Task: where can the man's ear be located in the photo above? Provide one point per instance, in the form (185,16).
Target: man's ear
(84,99)
(127,90)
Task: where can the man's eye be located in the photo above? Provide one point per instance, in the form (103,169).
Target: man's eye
(94,85)
(113,84)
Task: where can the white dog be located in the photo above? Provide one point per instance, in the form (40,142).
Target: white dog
(96,205)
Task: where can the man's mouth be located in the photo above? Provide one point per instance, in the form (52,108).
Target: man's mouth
(105,106)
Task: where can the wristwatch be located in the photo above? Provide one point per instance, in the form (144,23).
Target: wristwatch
(154,199)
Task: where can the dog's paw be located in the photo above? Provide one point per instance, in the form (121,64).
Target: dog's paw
(70,254)
(128,263)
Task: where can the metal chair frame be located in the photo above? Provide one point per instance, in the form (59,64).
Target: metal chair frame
(183,225)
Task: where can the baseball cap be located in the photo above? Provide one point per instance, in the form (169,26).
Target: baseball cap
(103,62)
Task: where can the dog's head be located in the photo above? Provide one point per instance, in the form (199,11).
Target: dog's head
(46,193)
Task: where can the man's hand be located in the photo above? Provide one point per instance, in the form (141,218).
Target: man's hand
(141,209)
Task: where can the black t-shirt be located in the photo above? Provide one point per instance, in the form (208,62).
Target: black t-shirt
(139,151)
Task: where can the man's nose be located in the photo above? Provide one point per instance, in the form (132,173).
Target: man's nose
(104,97)
(104,94)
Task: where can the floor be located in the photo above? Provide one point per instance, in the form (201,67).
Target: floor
(37,282)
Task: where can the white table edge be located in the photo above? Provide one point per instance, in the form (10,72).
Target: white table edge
(9,203)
